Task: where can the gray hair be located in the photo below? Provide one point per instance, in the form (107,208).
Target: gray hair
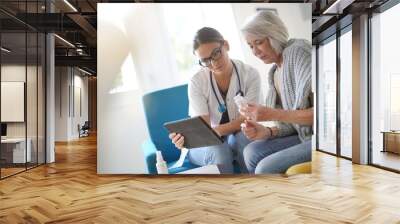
(266,24)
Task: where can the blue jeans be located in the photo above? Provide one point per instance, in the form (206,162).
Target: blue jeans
(281,161)
(276,155)
(224,154)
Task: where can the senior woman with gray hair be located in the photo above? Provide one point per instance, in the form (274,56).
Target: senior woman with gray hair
(288,102)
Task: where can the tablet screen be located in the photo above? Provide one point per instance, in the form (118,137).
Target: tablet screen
(196,131)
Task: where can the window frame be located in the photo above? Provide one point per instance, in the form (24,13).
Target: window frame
(333,37)
(379,10)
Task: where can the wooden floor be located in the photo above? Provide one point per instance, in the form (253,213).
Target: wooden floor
(5,172)
(70,191)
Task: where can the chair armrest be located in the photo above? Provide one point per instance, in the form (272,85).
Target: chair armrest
(149,151)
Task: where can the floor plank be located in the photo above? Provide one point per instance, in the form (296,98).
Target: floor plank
(70,191)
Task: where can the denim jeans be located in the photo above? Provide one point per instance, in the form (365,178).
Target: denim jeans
(276,155)
(224,154)
(281,161)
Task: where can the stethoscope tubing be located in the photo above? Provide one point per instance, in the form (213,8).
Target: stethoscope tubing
(222,107)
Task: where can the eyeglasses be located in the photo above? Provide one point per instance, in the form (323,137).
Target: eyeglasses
(215,55)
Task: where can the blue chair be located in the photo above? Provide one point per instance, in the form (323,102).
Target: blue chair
(160,107)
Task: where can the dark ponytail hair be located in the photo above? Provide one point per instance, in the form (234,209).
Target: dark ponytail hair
(206,35)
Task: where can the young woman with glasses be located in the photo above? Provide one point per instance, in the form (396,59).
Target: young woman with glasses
(211,93)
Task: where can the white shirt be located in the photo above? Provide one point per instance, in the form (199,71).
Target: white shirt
(202,100)
(277,80)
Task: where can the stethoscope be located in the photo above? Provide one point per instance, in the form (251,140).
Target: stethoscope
(222,107)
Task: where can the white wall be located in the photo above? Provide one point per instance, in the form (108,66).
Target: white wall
(81,108)
(121,122)
(135,31)
(14,73)
(17,73)
(68,81)
(33,127)
(61,104)
(12,101)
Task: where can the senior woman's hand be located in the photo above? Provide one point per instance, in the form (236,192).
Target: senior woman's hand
(177,139)
(257,112)
(255,131)
(249,111)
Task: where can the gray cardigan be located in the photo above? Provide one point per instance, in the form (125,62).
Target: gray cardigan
(295,83)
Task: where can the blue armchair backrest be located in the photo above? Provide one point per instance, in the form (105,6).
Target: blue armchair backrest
(163,106)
